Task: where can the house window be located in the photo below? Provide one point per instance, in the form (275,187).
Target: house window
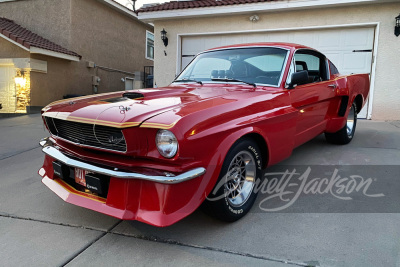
(149,45)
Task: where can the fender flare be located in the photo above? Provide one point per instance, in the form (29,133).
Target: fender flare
(222,150)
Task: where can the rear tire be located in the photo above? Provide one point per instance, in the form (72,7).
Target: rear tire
(233,195)
(346,134)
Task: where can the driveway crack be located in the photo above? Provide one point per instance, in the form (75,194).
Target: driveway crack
(158,240)
(103,232)
(91,243)
(177,243)
(18,153)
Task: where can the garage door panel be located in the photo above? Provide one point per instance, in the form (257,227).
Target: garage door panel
(307,39)
(328,40)
(358,38)
(356,62)
(254,38)
(192,45)
(280,37)
(212,42)
(228,40)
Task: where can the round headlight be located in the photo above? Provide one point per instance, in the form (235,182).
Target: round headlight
(166,143)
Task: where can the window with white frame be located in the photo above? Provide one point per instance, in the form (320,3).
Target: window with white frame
(149,45)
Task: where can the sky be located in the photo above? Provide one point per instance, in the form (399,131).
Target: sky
(139,3)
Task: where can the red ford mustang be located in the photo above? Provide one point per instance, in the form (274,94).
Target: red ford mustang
(155,155)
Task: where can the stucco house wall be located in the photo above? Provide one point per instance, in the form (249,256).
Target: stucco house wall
(386,97)
(50,19)
(50,86)
(110,40)
(8,49)
(88,27)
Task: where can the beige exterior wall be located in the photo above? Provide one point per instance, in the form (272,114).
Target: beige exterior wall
(386,99)
(50,86)
(7,49)
(87,27)
(50,19)
(102,35)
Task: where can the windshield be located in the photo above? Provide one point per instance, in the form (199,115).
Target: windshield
(255,65)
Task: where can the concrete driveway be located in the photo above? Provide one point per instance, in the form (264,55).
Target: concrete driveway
(39,229)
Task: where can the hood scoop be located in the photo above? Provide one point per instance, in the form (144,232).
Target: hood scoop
(133,95)
(125,97)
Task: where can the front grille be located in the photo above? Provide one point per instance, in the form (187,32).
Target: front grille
(88,134)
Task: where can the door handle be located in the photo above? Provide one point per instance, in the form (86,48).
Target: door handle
(333,86)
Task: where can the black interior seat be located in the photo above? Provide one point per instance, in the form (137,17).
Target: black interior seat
(301,65)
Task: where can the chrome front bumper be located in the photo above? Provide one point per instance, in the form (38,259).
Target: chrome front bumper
(51,151)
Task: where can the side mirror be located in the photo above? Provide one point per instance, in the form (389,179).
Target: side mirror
(298,78)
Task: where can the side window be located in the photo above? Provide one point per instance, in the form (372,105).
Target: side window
(149,45)
(314,63)
(334,70)
(307,62)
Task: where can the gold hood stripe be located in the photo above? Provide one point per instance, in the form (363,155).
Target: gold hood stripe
(157,125)
(109,123)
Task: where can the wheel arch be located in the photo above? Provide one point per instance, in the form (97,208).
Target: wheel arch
(262,144)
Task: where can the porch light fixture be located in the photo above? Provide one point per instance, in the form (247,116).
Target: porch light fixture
(164,37)
(397,27)
(20,80)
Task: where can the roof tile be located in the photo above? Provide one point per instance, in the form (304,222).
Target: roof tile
(198,4)
(27,38)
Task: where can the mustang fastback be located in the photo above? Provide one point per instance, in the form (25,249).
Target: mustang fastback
(156,155)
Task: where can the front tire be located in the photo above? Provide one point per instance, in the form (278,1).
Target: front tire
(346,134)
(234,194)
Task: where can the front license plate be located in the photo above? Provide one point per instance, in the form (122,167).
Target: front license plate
(80,176)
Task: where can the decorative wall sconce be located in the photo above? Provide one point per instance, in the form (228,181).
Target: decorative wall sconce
(20,80)
(164,37)
(397,27)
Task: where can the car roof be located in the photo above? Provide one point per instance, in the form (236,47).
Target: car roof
(289,46)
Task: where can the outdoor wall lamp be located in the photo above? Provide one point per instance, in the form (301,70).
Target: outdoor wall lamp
(164,37)
(397,27)
(20,80)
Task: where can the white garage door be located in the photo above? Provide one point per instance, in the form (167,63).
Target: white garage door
(350,49)
(7,89)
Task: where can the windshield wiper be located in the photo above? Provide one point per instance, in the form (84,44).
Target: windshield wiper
(188,80)
(233,80)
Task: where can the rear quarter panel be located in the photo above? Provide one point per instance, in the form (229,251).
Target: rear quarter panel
(356,88)
(354,85)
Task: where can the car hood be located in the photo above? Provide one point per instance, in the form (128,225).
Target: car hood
(132,108)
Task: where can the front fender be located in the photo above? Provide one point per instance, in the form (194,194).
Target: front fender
(220,153)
